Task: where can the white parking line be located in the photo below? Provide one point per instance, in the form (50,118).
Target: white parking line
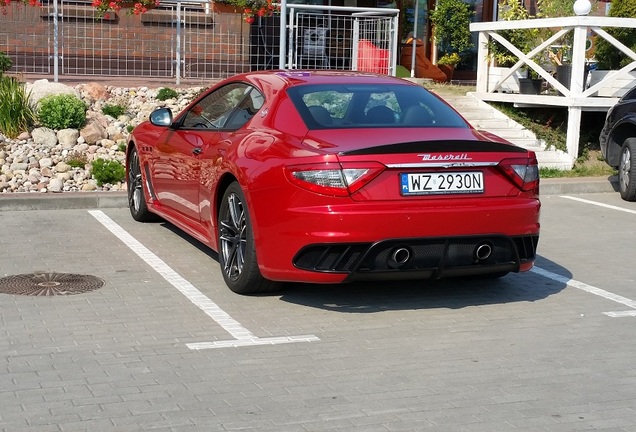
(592,290)
(598,204)
(243,337)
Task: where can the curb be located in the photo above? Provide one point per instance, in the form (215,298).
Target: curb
(579,185)
(62,201)
(88,200)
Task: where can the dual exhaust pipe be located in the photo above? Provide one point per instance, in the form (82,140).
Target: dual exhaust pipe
(402,254)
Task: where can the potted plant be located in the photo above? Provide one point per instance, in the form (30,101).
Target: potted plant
(251,9)
(447,64)
(451,22)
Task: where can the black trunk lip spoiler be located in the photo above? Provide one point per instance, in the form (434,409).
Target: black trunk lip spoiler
(438,146)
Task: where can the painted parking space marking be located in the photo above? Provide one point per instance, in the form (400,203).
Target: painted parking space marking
(612,207)
(242,336)
(592,290)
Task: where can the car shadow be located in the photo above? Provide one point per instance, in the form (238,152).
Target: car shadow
(455,293)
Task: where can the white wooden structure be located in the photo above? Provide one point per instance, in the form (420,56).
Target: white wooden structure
(577,97)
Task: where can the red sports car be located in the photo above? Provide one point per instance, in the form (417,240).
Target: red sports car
(330,177)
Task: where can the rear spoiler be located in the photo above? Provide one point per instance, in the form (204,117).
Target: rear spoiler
(438,146)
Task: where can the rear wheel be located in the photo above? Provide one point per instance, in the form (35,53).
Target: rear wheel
(237,254)
(626,173)
(136,198)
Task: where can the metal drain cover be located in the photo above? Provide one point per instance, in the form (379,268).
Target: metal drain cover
(49,284)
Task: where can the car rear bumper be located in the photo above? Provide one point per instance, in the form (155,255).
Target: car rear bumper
(421,258)
(341,243)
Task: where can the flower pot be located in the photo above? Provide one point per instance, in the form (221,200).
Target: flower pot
(448,71)
(530,86)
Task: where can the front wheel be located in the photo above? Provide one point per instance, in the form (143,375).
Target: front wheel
(237,254)
(136,199)
(626,174)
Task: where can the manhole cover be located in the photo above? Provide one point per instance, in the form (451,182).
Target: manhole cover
(49,284)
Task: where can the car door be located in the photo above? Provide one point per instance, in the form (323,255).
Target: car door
(234,105)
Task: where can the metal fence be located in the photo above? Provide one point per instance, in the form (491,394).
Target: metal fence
(193,40)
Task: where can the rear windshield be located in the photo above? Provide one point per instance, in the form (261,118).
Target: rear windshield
(338,106)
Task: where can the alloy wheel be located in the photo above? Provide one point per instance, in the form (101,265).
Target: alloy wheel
(233,237)
(134,182)
(625,168)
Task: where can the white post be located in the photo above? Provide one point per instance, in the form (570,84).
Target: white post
(482,62)
(576,88)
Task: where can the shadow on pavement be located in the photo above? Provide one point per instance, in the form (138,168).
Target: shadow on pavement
(457,293)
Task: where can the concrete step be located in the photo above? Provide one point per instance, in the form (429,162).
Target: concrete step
(485,117)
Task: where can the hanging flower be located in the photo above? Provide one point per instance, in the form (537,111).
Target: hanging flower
(6,3)
(135,7)
(254,8)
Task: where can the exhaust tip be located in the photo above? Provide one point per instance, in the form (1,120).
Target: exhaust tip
(399,257)
(483,251)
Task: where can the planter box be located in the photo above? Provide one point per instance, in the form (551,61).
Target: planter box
(510,85)
(614,87)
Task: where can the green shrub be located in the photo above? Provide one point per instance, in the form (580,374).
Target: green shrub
(113,110)
(122,147)
(62,111)
(166,93)
(130,128)
(16,114)
(5,63)
(108,171)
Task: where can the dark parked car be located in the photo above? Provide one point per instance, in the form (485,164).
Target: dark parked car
(618,143)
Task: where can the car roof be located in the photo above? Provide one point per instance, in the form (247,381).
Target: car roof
(289,78)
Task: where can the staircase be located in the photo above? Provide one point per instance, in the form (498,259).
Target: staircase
(485,117)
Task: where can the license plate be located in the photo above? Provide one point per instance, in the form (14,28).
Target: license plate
(442,183)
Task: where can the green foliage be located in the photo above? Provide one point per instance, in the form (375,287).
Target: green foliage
(166,93)
(608,56)
(130,128)
(122,147)
(62,111)
(5,63)
(451,19)
(77,160)
(16,115)
(524,39)
(108,171)
(113,110)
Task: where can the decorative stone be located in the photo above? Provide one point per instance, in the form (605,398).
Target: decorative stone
(56,185)
(67,137)
(44,136)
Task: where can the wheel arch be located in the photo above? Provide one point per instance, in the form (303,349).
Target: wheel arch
(617,138)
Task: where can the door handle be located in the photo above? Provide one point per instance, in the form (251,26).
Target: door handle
(196,151)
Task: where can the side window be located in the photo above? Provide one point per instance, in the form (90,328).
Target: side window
(215,110)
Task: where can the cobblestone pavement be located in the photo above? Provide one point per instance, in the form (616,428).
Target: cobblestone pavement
(529,352)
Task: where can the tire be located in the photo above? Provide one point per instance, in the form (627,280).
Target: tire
(627,170)
(134,184)
(237,253)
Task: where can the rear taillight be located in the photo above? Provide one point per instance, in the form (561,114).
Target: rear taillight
(332,178)
(523,172)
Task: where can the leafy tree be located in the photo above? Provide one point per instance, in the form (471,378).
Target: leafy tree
(608,56)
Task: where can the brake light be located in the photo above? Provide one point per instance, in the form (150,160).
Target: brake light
(332,178)
(523,172)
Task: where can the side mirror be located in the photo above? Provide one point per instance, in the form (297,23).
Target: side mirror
(161,117)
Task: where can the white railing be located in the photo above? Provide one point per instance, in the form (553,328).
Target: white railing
(577,97)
